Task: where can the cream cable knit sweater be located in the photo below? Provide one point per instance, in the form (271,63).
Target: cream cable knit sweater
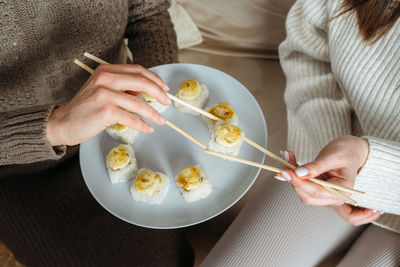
(336,85)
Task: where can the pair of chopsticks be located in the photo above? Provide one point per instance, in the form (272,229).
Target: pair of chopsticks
(328,186)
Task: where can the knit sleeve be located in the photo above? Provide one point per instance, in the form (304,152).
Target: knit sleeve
(380,177)
(318,111)
(23,136)
(150,33)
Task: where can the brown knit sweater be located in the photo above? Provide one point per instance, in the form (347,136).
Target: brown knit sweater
(47,215)
(38,42)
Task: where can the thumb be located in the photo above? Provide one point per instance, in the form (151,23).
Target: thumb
(317,167)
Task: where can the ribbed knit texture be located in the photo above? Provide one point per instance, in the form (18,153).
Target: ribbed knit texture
(336,85)
(47,215)
(38,42)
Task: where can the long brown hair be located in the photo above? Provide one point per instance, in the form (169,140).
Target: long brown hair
(375,17)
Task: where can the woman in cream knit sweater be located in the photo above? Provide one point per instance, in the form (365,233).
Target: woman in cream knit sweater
(342,63)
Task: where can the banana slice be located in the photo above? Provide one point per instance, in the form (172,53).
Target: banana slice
(118,158)
(147,182)
(227,134)
(189,178)
(189,90)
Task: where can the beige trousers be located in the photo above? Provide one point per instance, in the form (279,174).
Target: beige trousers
(276,229)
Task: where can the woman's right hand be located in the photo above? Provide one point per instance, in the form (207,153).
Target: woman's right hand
(108,97)
(338,163)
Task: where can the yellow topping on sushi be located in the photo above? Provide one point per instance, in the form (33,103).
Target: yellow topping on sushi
(147,182)
(189,178)
(223,111)
(227,134)
(118,157)
(148,97)
(118,127)
(189,90)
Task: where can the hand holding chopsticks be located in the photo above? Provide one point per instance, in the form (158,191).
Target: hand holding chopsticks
(328,186)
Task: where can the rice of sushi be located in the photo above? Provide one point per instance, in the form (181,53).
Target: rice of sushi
(197,101)
(160,108)
(223,111)
(226,138)
(121,163)
(149,186)
(193,184)
(122,133)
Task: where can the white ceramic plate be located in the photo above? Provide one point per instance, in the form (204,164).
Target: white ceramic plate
(167,151)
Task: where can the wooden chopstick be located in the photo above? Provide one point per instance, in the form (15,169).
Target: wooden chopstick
(324,184)
(185,134)
(83,65)
(244,161)
(170,124)
(274,169)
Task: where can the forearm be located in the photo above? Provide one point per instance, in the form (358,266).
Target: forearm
(23,136)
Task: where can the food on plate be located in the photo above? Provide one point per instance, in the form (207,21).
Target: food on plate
(122,133)
(153,102)
(150,186)
(193,183)
(226,138)
(223,111)
(192,92)
(121,163)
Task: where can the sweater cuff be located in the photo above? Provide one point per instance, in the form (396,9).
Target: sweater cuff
(380,177)
(23,136)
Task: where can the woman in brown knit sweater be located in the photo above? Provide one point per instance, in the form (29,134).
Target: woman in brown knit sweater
(48,217)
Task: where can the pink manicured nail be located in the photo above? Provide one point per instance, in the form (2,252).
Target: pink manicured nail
(286,175)
(285,155)
(301,171)
(279,178)
(162,120)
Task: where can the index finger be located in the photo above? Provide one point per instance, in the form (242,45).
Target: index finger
(135,82)
(135,68)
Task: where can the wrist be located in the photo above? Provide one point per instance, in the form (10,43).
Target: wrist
(364,152)
(51,128)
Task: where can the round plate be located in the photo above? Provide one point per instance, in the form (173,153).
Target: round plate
(168,152)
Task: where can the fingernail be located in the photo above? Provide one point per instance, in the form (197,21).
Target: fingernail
(169,101)
(286,175)
(165,87)
(162,119)
(285,155)
(374,211)
(301,171)
(279,178)
(151,129)
(382,213)
(299,163)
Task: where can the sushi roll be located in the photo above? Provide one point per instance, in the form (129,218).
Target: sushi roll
(226,138)
(194,93)
(122,133)
(150,186)
(153,102)
(193,183)
(121,163)
(223,111)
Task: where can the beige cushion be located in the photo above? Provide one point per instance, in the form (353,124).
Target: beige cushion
(248,28)
(186,30)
